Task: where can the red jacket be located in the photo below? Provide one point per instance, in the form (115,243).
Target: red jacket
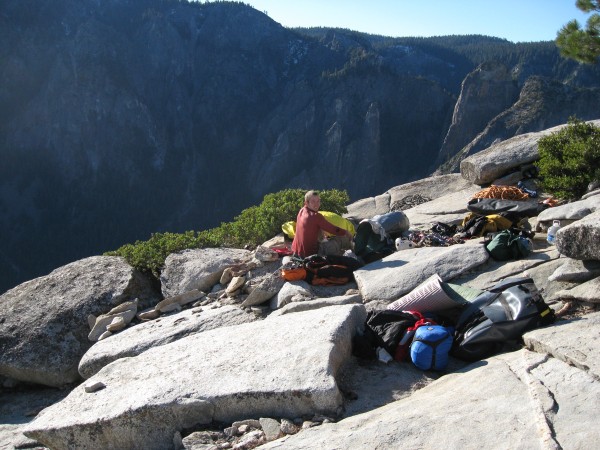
(308,224)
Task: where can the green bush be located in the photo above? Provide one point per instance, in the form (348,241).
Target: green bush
(252,227)
(570,159)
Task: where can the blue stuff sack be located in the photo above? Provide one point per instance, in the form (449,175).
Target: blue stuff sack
(430,347)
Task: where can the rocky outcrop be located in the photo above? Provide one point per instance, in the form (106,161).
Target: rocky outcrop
(407,196)
(45,327)
(494,162)
(291,378)
(524,394)
(388,279)
(199,269)
(543,103)
(576,270)
(167,102)
(450,208)
(199,380)
(486,92)
(580,239)
(570,212)
(583,293)
(506,156)
(154,333)
(310,304)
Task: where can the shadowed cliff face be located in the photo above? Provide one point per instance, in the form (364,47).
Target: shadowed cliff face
(123,118)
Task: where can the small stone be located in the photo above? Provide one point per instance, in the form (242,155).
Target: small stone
(94,386)
(104,335)
(180,299)
(250,422)
(169,308)
(250,440)
(124,307)
(265,254)
(271,428)
(230,431)
(235,284)
(91,319)
(226,276)
(117,324)
(242,429)
(319,418)
(197,438)
(149,314)
(288,427)
(260,310)
(309,424)
(126,310)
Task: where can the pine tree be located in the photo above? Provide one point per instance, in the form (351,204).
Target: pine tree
(580,44)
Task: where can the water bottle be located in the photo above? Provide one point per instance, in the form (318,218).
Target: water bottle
(552,231)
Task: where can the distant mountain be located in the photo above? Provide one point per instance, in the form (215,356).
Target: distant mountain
(119,118)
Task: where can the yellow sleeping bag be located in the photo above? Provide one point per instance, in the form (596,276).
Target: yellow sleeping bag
(289,228)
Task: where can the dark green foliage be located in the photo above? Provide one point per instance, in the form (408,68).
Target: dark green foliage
(582,44)
(253,226)
(570,159)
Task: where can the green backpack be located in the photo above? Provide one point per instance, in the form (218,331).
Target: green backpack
(507,245)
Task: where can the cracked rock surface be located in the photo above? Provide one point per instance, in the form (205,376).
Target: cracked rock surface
(543,397)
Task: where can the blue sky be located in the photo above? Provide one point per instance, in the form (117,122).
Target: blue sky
(515,20)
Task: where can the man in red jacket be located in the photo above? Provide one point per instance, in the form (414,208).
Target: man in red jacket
(308,225)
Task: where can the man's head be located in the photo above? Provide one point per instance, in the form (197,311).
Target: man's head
(312,200)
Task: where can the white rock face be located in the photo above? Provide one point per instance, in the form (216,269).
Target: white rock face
(388,279)
(533,400)
(161,331)
(150,383)
(485,166)
(428,188)
(306,305)
(284,367)
(44,322)
(450,208)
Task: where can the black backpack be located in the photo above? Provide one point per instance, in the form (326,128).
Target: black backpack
(499,317)
(383,328)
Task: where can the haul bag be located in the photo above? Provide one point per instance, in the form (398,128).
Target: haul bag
(498,317)
(487,206)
